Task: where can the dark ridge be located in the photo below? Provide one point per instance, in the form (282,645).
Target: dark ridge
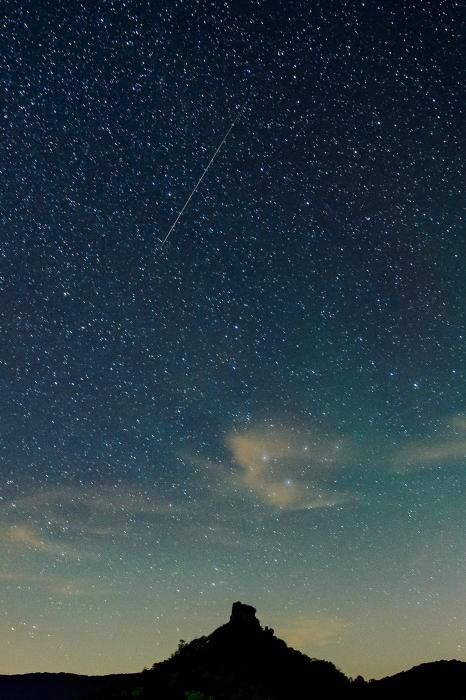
(51,686)
(438,679)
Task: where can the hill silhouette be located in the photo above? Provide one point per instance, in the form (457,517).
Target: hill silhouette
(240,660)
(48,686)
(439,679)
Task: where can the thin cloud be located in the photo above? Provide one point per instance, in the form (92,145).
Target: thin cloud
(102,499)
(308,632)
(458,423)
(52,584)
(21,536)
(286,471)
(428,453)
(418,454)
(94,511)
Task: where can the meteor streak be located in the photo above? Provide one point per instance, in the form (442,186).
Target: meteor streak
(180,213)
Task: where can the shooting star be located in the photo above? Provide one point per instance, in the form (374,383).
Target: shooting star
(196,186)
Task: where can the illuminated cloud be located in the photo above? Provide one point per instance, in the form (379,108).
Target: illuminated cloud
(70,513)
(21,536)
(307,632)
(287,471)
(447,449)
(24,536)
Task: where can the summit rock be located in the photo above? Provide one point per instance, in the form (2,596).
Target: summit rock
(244,615)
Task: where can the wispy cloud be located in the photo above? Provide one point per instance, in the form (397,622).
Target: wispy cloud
(285,469)
(288,471)
(23,536)
(91,523)
(17,577)
(431,452)
(308,632)
(458,423)
(104,498)
(57,585)
(93,511)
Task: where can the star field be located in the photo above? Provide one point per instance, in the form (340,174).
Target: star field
(271,406)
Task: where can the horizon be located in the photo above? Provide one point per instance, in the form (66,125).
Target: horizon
(232,357)
(119,669)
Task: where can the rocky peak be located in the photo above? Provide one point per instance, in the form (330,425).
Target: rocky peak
(244,616)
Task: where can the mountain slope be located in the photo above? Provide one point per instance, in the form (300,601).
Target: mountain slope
(240,660)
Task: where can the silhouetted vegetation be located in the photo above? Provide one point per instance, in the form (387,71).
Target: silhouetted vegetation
(241,660)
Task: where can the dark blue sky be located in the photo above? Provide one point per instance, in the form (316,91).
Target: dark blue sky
(270,406)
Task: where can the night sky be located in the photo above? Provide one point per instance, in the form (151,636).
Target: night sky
(271,406)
